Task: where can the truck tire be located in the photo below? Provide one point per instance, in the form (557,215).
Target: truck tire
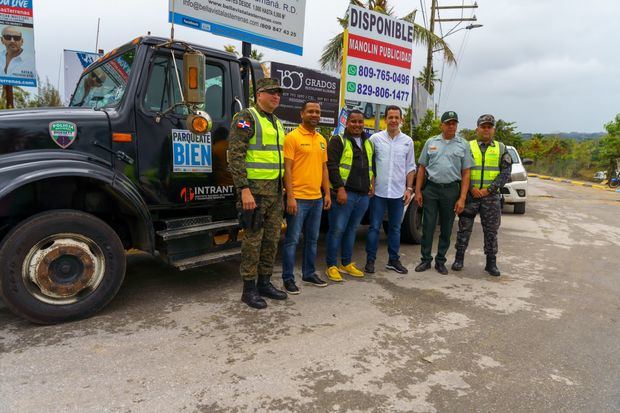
(520,208)
(369,111)
(60,265)
(411,230)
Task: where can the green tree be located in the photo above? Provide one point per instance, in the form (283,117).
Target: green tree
(427,128)
(467,134)
(47,96)
(331,58)
(610,146)
(507,133)
(21,98)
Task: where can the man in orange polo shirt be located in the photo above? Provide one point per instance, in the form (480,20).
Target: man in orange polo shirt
(305,173)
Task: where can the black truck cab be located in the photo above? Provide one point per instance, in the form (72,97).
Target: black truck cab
(118,169)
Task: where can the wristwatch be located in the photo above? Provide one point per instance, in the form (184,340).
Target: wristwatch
(410,189)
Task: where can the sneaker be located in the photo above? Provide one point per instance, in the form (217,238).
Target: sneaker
(395,265)
(314,280)
(370,267)
(291,287)
(351,269)
(333,274)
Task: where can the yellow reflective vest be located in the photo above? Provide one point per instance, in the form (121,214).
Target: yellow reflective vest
(346,159)
(263,159)
(486,167)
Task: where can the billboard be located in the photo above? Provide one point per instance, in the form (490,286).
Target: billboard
(17,63)
(377,58)
(301,84)
(75,62)
(275,24)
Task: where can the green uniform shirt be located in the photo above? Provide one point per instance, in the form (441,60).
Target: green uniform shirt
(238,143)
(445,159)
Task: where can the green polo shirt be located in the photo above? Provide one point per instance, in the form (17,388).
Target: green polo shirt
(445,159)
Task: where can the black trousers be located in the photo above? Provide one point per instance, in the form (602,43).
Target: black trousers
(439,201)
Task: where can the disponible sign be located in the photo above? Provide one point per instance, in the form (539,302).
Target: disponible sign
(277,24)
(301,84)
(17,63)
(378,58)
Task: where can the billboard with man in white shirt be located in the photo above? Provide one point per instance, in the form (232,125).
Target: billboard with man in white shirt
(17,63)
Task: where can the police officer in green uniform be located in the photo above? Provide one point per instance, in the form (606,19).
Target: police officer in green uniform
(443,172)
(256,165)
(491,171)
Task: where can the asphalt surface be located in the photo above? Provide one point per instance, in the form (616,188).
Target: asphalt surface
(544,336)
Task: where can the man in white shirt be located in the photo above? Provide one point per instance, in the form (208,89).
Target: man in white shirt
(14,61)
(394,170)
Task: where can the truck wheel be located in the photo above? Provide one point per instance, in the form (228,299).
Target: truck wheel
(520,208)
(411,230)
(369,111)
(60,265)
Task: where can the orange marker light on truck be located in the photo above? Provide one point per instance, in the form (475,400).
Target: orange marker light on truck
(121,137)
(193,78)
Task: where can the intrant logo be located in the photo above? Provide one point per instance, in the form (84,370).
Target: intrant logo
(188,194)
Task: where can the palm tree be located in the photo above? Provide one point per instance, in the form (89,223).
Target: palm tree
(331,58)
(422,78)
(254,54)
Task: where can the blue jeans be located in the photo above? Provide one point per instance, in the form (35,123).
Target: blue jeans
(343,223)
(308,221)
(395,207)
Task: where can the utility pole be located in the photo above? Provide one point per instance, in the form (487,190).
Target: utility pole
(429,53)
(8,96)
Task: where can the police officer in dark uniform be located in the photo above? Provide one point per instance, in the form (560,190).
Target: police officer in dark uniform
(256,164)
(491,171)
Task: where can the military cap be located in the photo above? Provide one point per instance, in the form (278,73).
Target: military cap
(449,115)
(268,84)
(486,119)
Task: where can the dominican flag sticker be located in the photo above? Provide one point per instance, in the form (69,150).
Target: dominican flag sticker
(243,124)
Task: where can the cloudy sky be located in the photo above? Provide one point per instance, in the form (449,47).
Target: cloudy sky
(548,65)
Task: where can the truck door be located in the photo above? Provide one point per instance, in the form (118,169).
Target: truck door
(177,168)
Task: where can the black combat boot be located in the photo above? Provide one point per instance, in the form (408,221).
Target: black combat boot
(266,289)
(250,295)
(459,258)
(491,267)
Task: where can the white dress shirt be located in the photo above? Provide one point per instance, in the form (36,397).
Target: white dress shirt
(21,66)
(394,159)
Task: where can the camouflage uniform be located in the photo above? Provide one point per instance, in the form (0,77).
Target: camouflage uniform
(258,248)
(489,208)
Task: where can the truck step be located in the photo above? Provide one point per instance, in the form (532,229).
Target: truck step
(200,228)
(206,259)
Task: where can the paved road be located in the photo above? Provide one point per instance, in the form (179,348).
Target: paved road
(543,337)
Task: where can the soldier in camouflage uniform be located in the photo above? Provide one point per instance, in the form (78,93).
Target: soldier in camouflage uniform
(490,173)
(256,165)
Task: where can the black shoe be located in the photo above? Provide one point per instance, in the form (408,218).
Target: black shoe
(423,266)
(395,265)
(266,289)
(370,267)
(251,297)
(458,261)
(291,287)
(441,268)
(491,267)
(314,280)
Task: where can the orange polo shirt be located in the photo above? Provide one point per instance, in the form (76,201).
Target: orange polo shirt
(308,151)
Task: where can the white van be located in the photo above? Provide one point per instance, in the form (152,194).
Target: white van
(515,192)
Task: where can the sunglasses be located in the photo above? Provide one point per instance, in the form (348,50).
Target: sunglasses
(14,37)
(272,92)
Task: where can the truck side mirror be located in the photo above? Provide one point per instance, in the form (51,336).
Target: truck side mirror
(194,64)
(527,161)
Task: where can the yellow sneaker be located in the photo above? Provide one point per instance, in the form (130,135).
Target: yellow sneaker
(333,274)
(351,269)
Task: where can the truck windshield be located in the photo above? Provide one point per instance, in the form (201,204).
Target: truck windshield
(513,155)
(104,86)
